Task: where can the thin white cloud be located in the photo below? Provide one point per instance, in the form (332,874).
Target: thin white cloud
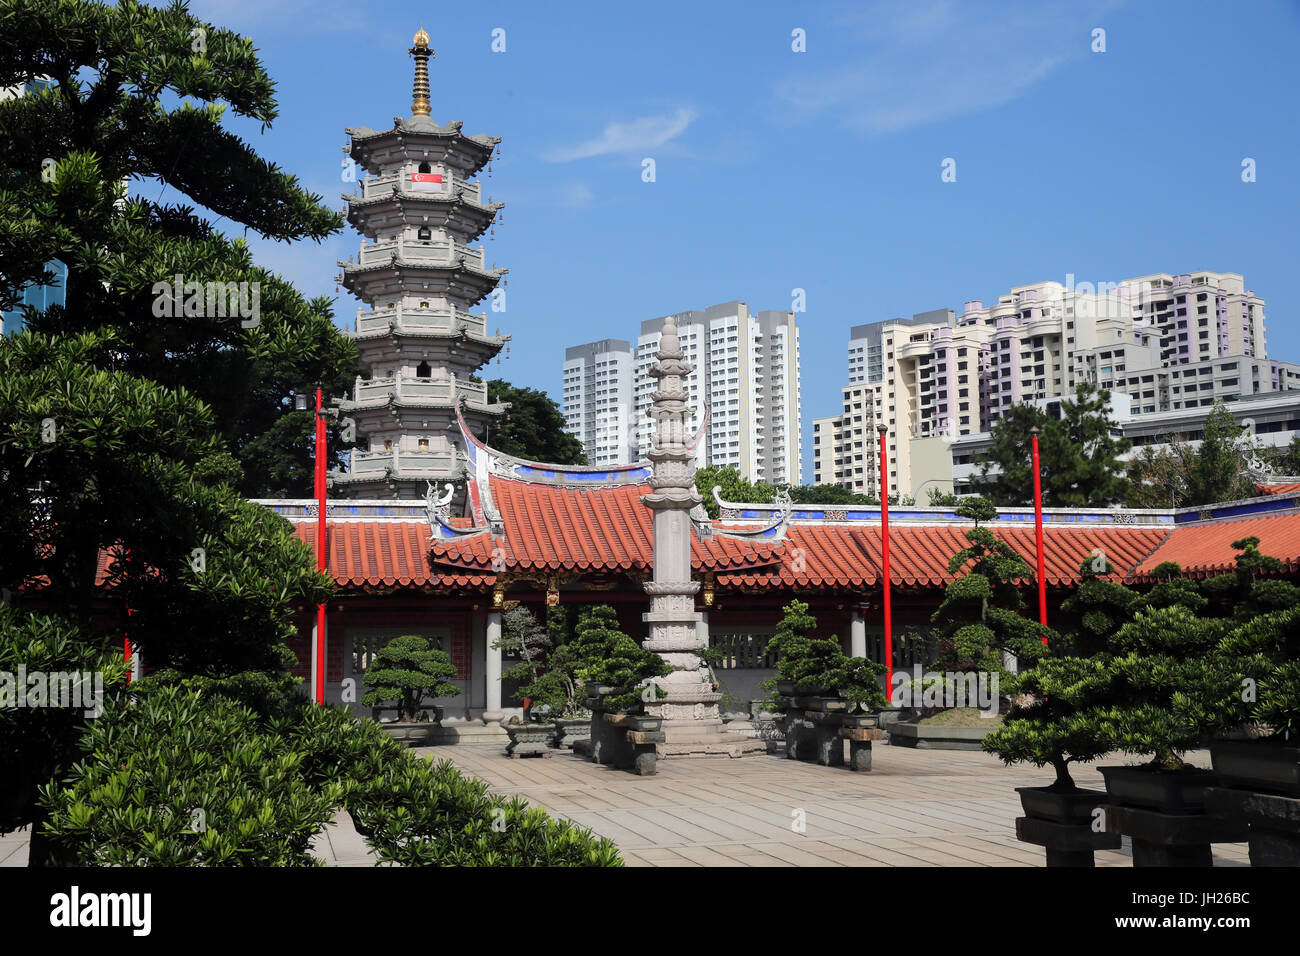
(577,196)
(931,61)
(638,136)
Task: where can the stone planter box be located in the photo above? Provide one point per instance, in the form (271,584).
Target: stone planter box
(1061,821)
(1062,806)
(860,721)
(1258,765)
(419,733)
(529,739)
(789,688)
(1164,815)
(569,732)
(932,737)
(1180,792)
(617,740)
(1273,821)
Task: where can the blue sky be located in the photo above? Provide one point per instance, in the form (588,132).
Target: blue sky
(817,170)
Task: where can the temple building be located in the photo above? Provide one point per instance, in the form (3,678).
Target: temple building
(418,207)
(544,535)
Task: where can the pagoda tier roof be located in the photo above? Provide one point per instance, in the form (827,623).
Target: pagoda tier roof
(418,129)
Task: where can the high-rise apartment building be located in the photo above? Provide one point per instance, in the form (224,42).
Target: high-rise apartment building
(597,400)
(746,373)
(1167,341)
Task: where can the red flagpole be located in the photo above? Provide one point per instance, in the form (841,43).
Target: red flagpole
(1038,534)
(884,559)
(321,559)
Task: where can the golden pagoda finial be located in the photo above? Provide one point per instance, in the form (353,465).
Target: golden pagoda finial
(420,92)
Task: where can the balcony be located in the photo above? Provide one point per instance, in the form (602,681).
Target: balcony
(411,390)
(443,252)
(405,464)
(420,321)
(375,186)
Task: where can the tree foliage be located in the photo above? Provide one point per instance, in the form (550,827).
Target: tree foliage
(140,97)
(188,777)
(981,609)
(819,665)
(736,488)
(533,426)
(1183,474)
(409,669)
(1078,455)
(601,653)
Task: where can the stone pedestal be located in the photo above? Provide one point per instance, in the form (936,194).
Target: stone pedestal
(1067,844)
(1273,821)
(1173,839)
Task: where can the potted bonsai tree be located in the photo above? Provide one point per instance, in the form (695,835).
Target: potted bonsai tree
(552,687)
(1265,654)
(522,637)
(617,673)
(1050,722)
(406,671)
(818,687)
(809,667)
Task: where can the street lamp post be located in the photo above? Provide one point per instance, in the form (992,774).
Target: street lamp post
(1038,535)
(884,558)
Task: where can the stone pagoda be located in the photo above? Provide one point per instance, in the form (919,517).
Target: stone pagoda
(418,208)
(692,722)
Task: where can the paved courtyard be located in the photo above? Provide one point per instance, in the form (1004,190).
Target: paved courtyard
(916,808)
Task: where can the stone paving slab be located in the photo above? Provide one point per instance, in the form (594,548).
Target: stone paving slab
(915,808)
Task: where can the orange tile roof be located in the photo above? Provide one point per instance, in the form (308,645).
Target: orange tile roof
(387,553)
(847,556)
(578,529)
(1285,488)
(1206,549)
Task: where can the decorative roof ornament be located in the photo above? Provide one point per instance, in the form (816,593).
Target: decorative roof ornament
(731,511)
(672,456)
(420,90)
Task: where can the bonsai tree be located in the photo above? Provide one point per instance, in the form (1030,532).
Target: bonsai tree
(1168,691)
(601,653)
(523,637)
(1171,589)
(817,665)
(1264,654)
(408,670)
(980,612)
(1242,594)
(1051,721)
(1100,605)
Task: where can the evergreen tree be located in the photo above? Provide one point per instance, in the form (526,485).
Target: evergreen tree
(1078,455)
(1214,470)
(981,610)
(408,669)
(600,653)
(140,94)
(532,428)
(819,665)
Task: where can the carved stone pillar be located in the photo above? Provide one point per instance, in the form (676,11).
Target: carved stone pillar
(692,723)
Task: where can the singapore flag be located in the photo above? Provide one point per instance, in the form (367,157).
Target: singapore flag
(426,182)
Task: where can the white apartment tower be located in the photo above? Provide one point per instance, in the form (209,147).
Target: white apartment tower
(598,400)
(747,372)
(1166,341)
